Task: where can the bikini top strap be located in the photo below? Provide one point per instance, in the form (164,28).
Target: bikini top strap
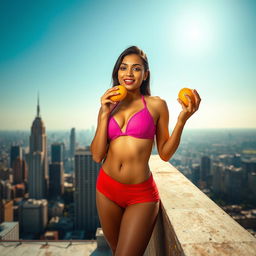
(144,102)
(115,107)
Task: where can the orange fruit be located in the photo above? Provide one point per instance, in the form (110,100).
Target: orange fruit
(123,92)
(183,98)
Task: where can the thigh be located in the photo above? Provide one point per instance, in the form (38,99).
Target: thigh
(110,215)
(136,228)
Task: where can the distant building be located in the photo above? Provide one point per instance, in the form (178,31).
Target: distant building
(75,235)
(5,174)
(236,161)
(34,216)
(252,183)
(51,235)
(19,190)
(38,163)
(57,152)
(55,209)
(6,210)
(234,183)
(56,179)
(72,143)
(5,190)
(62,224)
(205,170)
(86,172)
(226,159)
(9,231)
(195,173)
(19,171)
(16,152)
(218,181)
(249,166)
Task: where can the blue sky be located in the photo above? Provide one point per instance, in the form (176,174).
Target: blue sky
(66,50)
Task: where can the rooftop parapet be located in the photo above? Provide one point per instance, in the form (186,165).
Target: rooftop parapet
(190,223)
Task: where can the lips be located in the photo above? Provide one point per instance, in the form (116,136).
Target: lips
(129,81)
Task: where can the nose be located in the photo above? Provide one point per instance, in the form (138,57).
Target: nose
(129,72)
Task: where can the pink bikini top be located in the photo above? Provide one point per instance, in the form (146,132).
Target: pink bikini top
(140,125)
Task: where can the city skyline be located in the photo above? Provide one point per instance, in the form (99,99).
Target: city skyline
(63,50)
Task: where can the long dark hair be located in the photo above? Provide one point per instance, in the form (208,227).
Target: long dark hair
(145,86)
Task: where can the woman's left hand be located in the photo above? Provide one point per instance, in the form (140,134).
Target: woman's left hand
(192,107)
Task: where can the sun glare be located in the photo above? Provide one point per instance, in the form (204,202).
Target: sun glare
(192,34)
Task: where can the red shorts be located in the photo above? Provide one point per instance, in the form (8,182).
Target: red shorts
(127,194)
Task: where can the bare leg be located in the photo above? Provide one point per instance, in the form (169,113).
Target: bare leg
(110,215)
(136,228)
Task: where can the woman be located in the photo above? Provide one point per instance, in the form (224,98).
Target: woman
(127,198)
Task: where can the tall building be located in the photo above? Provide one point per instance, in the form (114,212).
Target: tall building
(56,179)
(38,163)
(72,142)
(234,183)
(218,181)
(86,172)
(249,166)
(195,173)
(5,174)
(16,152)
(56,170)
(34,216)
(19,171)
(57,152)
(6,210)
(5,189)
(205,170)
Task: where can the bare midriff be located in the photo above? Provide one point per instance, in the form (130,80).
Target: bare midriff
(127,159)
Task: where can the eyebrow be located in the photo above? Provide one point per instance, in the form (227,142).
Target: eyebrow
(132,64)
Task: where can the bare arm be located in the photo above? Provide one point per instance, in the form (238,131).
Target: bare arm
(99,145)
(166,144)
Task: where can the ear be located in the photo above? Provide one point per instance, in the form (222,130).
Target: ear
(146,75)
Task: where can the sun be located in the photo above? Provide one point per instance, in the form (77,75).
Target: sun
(193,34)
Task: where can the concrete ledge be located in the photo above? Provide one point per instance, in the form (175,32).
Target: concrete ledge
(190,223)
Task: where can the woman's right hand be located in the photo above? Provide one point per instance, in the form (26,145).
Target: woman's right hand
(106,103)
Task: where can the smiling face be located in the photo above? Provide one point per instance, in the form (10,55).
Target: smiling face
(131,72)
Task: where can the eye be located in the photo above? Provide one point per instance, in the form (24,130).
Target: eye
(137,69)
(122,68)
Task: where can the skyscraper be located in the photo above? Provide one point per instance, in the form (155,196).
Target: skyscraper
(72,142)
(56,170)
(56,179)
(19,171)
(33,215)
(16,152)
(57,152)
(38,163)
(86,171)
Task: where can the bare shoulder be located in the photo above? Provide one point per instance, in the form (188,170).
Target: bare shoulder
(156,102)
